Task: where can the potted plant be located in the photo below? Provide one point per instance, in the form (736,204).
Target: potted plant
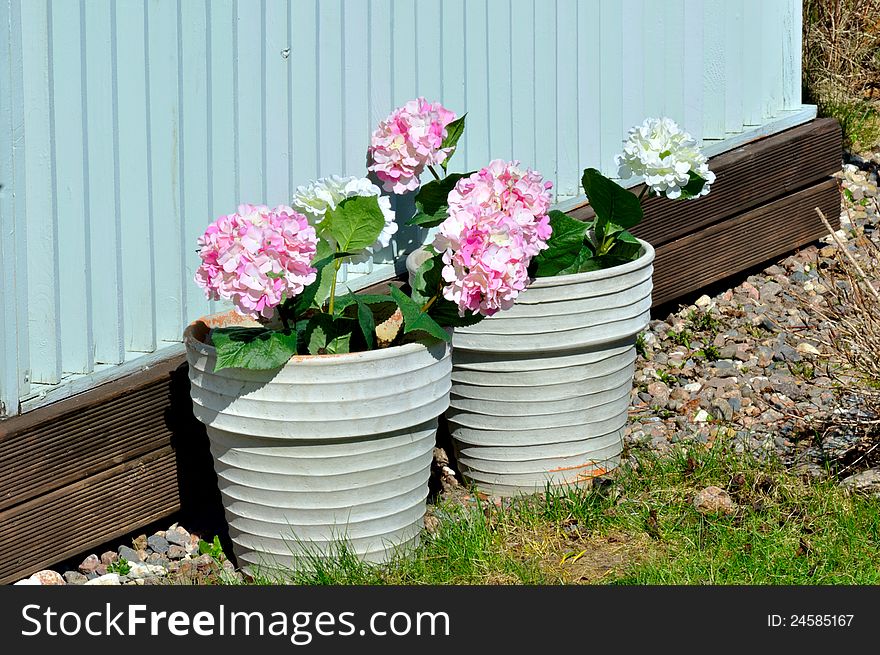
(540,394)
(321,406)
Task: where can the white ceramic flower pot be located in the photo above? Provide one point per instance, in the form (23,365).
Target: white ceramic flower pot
(324,449)
(541,392)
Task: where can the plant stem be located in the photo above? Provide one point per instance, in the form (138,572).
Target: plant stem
(434,173)
(642,194)
(336,265)
(428,304)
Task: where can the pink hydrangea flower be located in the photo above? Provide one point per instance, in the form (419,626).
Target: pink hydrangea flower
(497,222)
(408,140)
(256,258)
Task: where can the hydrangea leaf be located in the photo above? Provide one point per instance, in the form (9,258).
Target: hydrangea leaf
(366,320)
(453,133)
(445,312)
(427,279)
(432,200)
(626,246)
(355,223)
(318,291)
(694,186)
(581,262)
(254,348)
(414,319)
(565,243)
(328,335)
(611,202)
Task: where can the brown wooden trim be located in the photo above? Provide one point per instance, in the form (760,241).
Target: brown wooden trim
(747,177)
(724,249)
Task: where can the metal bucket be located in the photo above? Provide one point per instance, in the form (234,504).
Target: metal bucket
(323,450)
(541,392)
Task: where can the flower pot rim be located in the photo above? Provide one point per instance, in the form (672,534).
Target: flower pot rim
(195,333)
(555,280)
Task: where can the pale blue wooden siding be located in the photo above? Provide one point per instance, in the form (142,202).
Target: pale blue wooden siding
(126,125)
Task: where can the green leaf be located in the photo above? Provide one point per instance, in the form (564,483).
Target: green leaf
(453,133)
(328,335)
(366,320)
(414,319)
(427,279)
(563,246)
(317,292)
(581,262)
(255,348)
(355,223)
(626,247)
(431,200)
(611,202)
(445,312)
(693,187)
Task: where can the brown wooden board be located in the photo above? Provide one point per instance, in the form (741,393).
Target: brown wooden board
(724,249)
(67,521)
(747,177)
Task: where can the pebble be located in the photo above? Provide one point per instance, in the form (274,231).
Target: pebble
(714,500)
(867,482)
(158,544)
(106,580)
(48,577)
(75,577)
(129,554)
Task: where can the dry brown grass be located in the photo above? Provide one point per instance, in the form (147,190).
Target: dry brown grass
(842,64)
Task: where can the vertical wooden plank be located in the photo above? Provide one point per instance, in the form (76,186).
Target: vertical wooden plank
(380,63)
(105,229)
(753,61)
(331,92)
(522,101)
(135,197)
(588,85)
(500,79)
(568,175)
(13,284)
(654,51)
(733,65)
(545,90)
(304,85)
(477,85)
(194,161)
(792,37)
(221,111)
(404,50)
(714,68)
(633,63)
(772,64)
(693,80)
(249,98)
(610,85)
(673,71)
(164,103)
(42,260)
(70,187)
(276,104)
(356,76)
(454,66)
(429,71)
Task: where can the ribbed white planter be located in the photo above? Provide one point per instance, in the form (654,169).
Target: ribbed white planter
(326,448)
(540,393)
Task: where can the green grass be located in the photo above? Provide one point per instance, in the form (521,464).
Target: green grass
(642,528)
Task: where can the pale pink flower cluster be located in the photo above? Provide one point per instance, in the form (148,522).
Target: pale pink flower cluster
(407,141)
(497,222)
(256,258)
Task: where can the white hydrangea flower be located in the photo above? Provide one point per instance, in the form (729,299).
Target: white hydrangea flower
(323,195)
(665,155)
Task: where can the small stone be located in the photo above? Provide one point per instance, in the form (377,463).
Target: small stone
(158,559)
(702,416)
(176,552)
(432,524)
(108,580)
(785,353)
(89,564)
(703,301)
(108,558)
(143,570)
(866,482)
(722,409)
(48,577)
(75,577)
(27,582)
(158,544)
(129,554)
(178,536)
(140,542)
(807,349)
(692,387)
(714,500)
